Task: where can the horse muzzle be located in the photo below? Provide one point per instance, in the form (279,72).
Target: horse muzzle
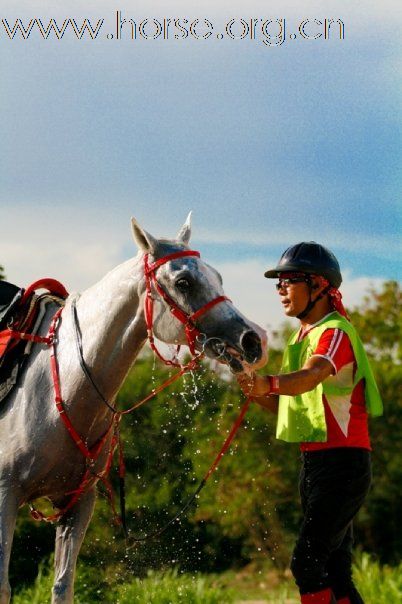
(248,349)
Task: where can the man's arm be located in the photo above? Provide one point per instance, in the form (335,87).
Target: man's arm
(269,402)
(334,351)
(261,388)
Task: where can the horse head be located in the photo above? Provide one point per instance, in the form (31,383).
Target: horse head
(185,287)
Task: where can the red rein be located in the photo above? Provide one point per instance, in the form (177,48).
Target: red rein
(91,454)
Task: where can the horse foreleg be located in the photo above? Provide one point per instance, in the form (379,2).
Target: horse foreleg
(8,516)
(69,536)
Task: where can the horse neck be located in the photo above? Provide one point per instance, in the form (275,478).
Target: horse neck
(112,324)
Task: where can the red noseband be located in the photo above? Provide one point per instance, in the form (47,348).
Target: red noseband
(188,320)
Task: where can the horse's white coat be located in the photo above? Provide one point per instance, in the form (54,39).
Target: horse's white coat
(38,456)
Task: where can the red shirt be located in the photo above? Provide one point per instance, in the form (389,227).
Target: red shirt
(346,416)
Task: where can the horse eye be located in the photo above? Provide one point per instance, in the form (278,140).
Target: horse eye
(183,285)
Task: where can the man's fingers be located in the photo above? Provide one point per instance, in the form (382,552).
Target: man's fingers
(246,382)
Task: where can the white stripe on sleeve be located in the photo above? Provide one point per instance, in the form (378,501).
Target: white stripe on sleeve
(336,340)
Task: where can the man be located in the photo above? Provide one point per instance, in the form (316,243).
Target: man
(322,396)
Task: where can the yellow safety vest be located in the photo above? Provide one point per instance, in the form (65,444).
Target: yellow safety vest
(301,418)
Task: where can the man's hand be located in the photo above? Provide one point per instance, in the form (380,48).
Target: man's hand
(258,388)
(253,384)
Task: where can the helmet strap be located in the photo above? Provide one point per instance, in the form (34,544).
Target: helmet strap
(311,303)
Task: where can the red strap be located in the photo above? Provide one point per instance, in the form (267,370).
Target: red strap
(91,453)
(208,306)
(157,263)
(176,311)
(20,335)
(86,480)
(60,408)
(229,439)
(52,285)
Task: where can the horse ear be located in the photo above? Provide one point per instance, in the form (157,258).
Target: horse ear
(185,232)
(144,240)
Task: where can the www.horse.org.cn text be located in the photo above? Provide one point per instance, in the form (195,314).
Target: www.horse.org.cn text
(271,31)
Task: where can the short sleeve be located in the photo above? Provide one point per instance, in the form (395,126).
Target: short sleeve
(334,345)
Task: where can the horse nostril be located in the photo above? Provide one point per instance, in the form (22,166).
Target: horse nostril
(250,342)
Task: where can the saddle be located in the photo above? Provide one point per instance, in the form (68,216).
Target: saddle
(21,312)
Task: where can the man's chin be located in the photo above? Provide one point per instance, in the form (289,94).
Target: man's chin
(289,311)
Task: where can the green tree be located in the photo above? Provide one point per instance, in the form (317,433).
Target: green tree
(2,275)
(379,322)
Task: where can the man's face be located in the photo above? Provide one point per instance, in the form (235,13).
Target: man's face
(295,294)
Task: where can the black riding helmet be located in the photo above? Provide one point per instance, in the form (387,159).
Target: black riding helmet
(311,258)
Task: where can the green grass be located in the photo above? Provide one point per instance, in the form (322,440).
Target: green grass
(38,593)
(168,587)
(172,588)
(377,585)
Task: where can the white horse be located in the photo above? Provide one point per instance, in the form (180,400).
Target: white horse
(38,457)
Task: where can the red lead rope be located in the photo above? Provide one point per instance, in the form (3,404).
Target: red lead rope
(229,439)
(212,468)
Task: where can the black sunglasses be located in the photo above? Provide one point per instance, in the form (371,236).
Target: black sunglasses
(283,283)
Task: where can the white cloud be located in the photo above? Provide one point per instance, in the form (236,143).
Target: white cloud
(78,248)
(354,288)
(382,246)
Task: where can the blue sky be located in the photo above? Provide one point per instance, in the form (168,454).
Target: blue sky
(267,145)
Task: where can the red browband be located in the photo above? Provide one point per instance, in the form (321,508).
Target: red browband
(149,268)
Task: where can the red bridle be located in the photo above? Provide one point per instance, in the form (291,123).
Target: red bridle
(92,453)
(189,321)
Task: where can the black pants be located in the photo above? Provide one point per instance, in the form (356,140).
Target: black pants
(333,486)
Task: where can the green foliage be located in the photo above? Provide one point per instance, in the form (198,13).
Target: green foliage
(39,592)
(2,275)
(379,322)
(378,584)
(172,588)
